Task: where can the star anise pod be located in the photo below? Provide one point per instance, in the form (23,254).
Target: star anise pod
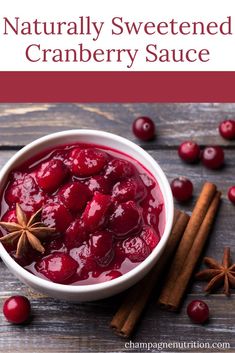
(218,274)
(26,231)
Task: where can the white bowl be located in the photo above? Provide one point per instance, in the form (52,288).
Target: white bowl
(105,289)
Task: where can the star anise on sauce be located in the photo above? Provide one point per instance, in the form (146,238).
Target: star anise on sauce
(26,232)
(218,274)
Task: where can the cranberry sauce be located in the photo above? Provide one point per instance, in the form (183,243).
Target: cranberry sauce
(107,210)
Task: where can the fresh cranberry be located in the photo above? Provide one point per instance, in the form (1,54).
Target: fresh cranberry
(189,151)
(95,212)
(57,267)
(182,189)
(74,196)
(17,309)
(56,215)
(125,219)
(76,234)
(119,169)
(231,194)
(88,162)
(24,190)
(51,174)
(130,189)
(227,129)
(101,244)
(150,237)
(99,183)
(213,157)
(144,128)
(136,249)
(109,276)
(198,311)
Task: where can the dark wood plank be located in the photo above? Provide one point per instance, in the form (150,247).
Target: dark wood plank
(22,123)
(63,327)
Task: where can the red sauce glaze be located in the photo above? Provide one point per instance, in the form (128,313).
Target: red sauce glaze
(107,209)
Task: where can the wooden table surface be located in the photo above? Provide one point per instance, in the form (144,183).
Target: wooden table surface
(62,327)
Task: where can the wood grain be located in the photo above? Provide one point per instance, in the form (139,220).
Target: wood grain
(22,123)
(58,326)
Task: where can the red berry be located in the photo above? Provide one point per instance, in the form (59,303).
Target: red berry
(85,260)
(25,191)
(57,267)
(88,162)
(182,189)
(95,212)
(136,249)
(101,245)
(98,183)
(17,309)
(231,194)
(189,151)
(51,174)
(119,169)
(198,311)
(124,190)
(130,189)
(56,215)
(74,196)
(213,157)
(144,128)
(227,129)
(150,237)
(125,219)
(10,216)
(76,234)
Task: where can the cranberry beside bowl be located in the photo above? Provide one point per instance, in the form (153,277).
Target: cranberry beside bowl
(106,214)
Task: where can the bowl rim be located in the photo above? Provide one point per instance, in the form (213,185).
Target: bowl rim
(167,195)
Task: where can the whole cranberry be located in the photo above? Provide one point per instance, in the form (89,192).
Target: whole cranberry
(227,129)
(125,219)
(198,311)
(182,189)
(144,128)
(16,309)
(129,189)
(94,215)
(101,245)
(57,267)
(119,169)
(25,191)
(51,174)
(98,183)
(213,157)
(189,151)
(55,214)
(231,194)
(74,195)
(136,249)
(150,237)
(75,234)
(88,162)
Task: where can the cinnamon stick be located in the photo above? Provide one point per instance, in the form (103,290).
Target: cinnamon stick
(207,193)
(179,287)
(127,316)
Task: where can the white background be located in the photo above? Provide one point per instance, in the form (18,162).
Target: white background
(222,48)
